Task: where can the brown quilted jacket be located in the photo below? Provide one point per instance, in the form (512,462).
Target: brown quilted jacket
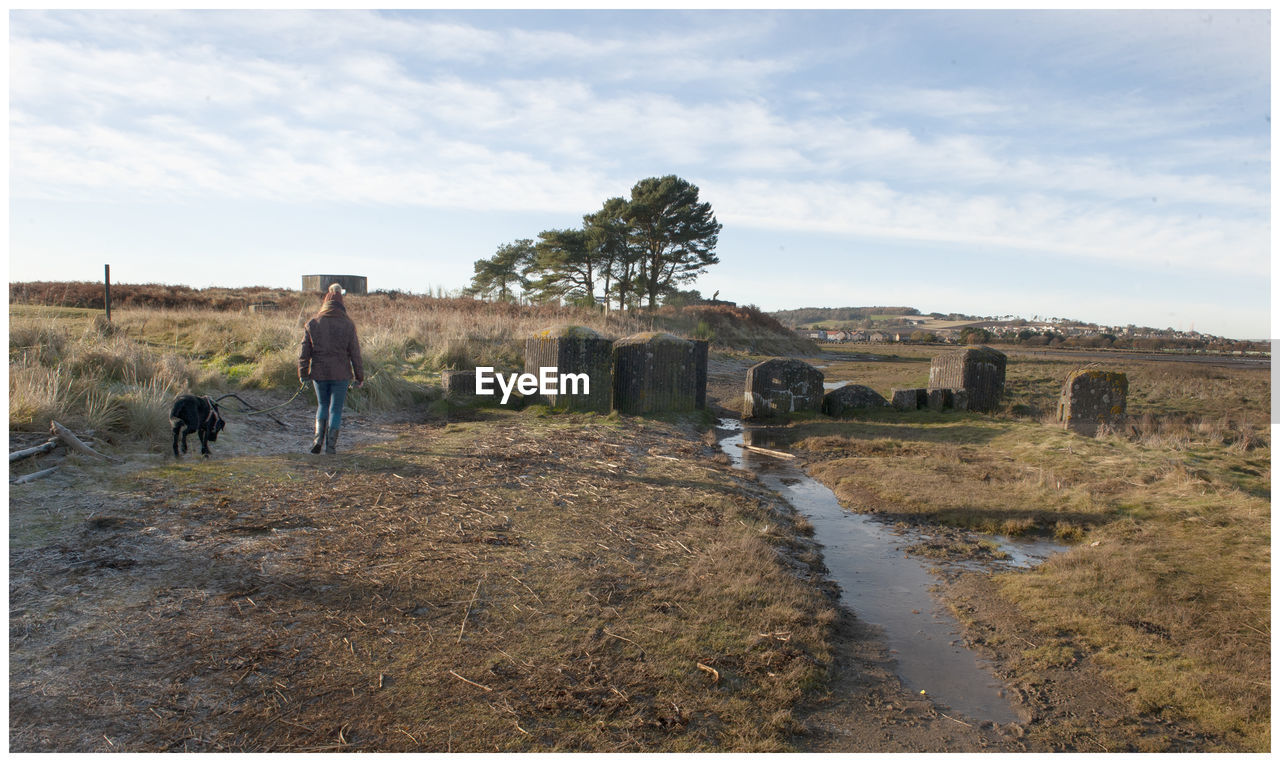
(330,349)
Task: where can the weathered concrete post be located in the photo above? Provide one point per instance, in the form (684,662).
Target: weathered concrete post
(656,372)
(781,386)
(979,371)
(577,350)
(701,348)
(459,386)
(940,399)
(910,399)
(850,397)
(1093,398)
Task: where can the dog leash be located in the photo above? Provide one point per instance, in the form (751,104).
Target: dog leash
(301,386)
(254,411)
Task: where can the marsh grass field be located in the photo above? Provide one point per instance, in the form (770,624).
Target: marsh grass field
(480,580)
(1167,587)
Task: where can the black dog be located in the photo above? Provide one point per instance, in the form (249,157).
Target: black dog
(195,414)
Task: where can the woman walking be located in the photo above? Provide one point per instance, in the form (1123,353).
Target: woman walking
(330,357)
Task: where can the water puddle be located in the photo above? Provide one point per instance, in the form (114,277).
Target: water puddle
(886,586)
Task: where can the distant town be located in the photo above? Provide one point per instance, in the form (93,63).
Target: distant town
(906,324)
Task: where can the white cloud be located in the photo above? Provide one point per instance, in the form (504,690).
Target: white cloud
(1093,231)
(124,106)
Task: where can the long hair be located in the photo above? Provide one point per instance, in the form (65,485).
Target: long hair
(332,303)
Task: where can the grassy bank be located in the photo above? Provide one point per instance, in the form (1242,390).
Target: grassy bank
(1167,588)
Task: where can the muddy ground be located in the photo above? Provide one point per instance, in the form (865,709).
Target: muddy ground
(500,582)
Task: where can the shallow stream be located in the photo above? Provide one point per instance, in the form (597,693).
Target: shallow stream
(887,587)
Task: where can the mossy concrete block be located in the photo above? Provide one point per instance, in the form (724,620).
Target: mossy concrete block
(977,370)
(1093,398)
(910,399)
(577,350)
(940,399)
(838,403)
(656,372)
(780,386)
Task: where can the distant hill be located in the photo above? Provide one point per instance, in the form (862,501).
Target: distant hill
(807,315)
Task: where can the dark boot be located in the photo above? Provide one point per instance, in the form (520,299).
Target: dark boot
(331,442)
(318,442)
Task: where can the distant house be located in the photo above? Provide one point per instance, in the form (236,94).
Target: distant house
(817,335)
(838,336)
(878,336)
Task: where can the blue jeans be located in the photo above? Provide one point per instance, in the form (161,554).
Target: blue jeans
(331,396)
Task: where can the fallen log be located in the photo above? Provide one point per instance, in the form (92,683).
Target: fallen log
(64,434)
(773,453)
(37,450)
(35,475)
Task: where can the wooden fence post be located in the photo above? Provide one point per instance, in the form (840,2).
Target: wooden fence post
(107,289)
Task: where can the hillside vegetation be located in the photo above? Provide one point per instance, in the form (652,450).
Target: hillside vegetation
(67,363)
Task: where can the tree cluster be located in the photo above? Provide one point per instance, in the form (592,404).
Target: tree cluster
(629,251)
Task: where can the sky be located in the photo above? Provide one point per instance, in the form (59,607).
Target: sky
(1112,167)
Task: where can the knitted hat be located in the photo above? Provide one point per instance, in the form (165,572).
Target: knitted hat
(334,294)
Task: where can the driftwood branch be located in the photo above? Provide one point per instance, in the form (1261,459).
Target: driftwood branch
(35,475)
(70,440)
(37,450)
(772,453)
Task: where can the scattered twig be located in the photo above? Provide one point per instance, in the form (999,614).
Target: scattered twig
(35,475)
(526,587)
(629,640)
(715,673)
(469,605)
(470,682)
(953,719)
(411,738)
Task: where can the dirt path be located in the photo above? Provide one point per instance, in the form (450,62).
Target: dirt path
(512,583)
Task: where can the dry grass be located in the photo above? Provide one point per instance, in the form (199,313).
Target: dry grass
(1168,588)
(517,584)
(68,364)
